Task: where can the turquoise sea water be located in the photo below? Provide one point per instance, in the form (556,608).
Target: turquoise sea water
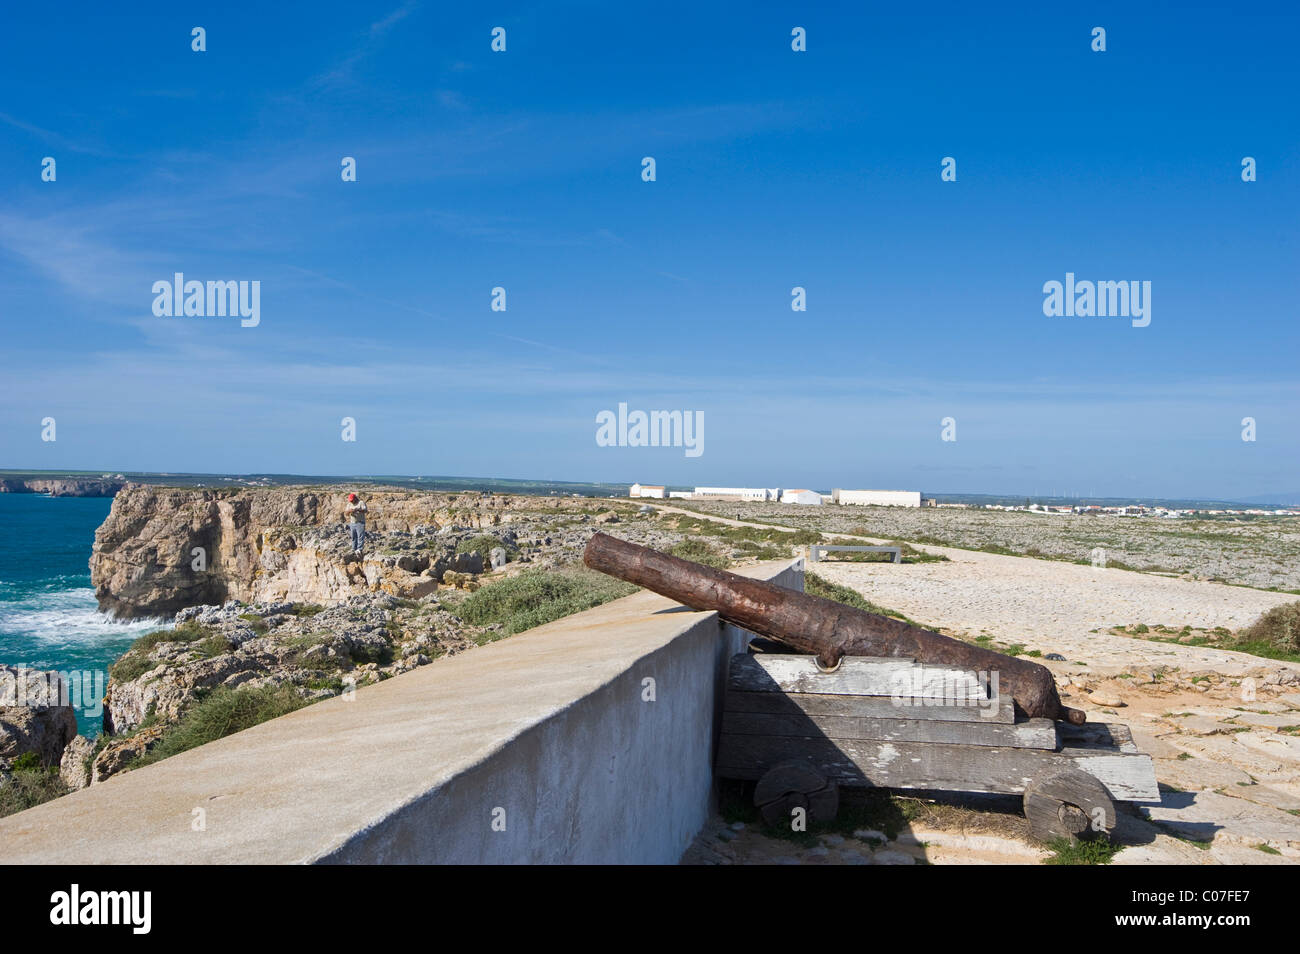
(48,615)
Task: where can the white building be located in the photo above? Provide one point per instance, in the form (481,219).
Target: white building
(878,498)
(801,497)
(680,494)
(737,493)
(647,490)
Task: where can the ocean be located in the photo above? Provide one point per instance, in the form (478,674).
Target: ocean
(48,615)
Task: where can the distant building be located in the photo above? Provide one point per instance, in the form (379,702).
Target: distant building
(680,494)
(801,497)
(929,502)
(647,490)
(737,493)
(878,498)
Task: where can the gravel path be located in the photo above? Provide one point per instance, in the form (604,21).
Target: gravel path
(1054,607)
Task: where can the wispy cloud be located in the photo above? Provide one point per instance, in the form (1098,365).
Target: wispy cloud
(343,72)
(55,139)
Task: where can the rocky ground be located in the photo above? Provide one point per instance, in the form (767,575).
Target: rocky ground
(1261,552)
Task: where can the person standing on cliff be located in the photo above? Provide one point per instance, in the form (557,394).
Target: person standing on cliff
(355,512)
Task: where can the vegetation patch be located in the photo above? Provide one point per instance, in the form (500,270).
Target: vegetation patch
(1278,627)
(255,623)
(484,544)
(700,551)
(1094,851)
(538,596)
(30,784)
(820,586)
(135,662)
(1275,635)
(220,713)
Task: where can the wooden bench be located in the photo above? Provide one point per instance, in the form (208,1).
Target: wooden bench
(815,553)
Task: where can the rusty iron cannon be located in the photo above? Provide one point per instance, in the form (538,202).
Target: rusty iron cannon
(822,627)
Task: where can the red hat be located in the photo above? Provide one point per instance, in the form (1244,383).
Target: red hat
(352,496)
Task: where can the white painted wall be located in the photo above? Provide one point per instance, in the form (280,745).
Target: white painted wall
(879,498)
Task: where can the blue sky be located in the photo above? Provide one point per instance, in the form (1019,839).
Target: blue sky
(522,169)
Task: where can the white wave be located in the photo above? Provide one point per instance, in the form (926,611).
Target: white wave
(68,617)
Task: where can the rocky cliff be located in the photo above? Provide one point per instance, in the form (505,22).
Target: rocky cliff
(62,486)
(35,717)
(163,549)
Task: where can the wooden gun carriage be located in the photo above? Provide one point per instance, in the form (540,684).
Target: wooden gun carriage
(882,703)
(801,732)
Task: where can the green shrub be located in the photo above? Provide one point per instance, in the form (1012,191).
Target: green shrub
(30,787)
(213,645)
(698,551)
(220,713)
(1279,626)
(255,623)
(534,597)
(135,662)
(820,586)
(27,762)
(1094,851)
(483,545)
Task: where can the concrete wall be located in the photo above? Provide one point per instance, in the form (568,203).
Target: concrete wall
(548,731)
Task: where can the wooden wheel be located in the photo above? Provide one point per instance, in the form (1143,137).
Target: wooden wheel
(796,784)
(1069,804)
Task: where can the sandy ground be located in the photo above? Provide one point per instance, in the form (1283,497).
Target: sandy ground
(1228,761)
(1054,607)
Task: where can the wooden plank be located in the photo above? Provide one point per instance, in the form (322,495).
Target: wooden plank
(1096,735)
(884,707)
(934,766)
(856,675)
(1031,733)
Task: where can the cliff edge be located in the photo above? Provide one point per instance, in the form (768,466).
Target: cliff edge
(163,549)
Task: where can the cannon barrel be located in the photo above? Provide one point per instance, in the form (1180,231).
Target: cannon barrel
(812,624)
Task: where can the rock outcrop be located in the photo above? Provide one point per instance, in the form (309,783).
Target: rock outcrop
(62,486)
(163,549)
(35,716)
(74,767)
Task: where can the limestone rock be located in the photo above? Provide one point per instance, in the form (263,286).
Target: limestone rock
(62,486)
(117,753)
(34,715)
(285,543)
(1105,697)
(74,768)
